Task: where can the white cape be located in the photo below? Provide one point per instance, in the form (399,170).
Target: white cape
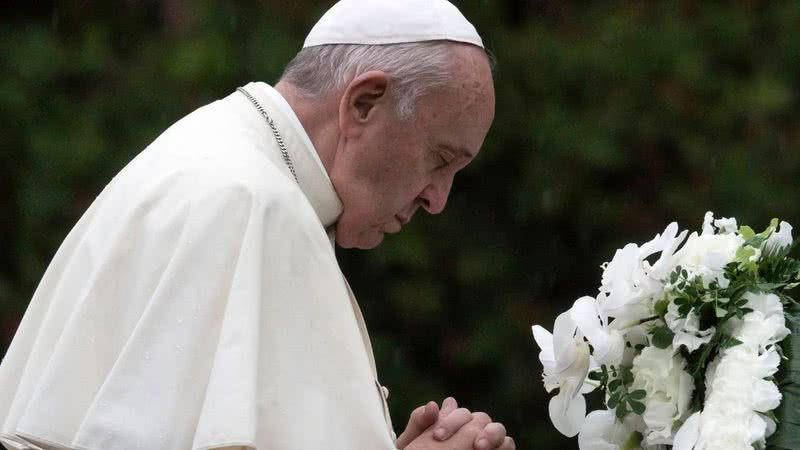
(198,304)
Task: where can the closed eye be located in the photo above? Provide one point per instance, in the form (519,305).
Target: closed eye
(444,159)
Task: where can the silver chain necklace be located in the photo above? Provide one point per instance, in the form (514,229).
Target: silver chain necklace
(278,138)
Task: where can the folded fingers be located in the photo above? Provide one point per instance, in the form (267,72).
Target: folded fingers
(450,424)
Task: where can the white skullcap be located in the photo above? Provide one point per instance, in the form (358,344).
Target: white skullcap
(392,22)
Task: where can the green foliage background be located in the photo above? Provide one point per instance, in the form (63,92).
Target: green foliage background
(613,119)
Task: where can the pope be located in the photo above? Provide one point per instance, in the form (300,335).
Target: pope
(198,303)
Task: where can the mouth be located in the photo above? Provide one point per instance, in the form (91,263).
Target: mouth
(396,225)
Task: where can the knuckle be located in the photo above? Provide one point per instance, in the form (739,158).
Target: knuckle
(462,413)
(418,412)
(481,416)
(497,428)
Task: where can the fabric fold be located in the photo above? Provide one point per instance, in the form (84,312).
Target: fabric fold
(198,304)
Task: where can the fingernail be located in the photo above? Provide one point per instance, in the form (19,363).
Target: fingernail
(439,433)
(483,443)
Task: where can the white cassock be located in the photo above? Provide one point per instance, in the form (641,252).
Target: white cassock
(198,304)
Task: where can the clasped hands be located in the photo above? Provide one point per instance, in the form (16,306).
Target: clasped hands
(452,428)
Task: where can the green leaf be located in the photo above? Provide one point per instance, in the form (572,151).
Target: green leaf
(634,442)
(770,286)
(613,401)
(662,337)
(720,312)
(627,376)
(729,341)
(621,411)
(743,254)
(661,307)
(746,232)
(638,394)
(637,407)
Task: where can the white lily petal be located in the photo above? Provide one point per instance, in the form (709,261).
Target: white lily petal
(660,242)
(687,436)
(602,431)
(564,341)
(585,312)
(663,266)
(544,340)
(567,413)
(608,345)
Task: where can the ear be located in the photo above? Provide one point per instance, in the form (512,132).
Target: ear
(360,100)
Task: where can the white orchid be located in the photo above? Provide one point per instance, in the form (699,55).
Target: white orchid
(620,336)
(629,278)
(779,239)
(592,321)
(567,362)
(565,358)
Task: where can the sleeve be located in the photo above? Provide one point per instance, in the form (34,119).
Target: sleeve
(188,315)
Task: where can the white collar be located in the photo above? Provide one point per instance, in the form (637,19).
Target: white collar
(311,174)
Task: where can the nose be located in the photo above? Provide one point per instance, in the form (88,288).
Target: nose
(434,197)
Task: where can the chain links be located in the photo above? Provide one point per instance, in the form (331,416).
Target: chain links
(271,123)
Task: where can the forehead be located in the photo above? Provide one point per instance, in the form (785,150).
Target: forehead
(470,90)
(461,113)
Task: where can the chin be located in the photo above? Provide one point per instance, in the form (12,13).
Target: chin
(364,241)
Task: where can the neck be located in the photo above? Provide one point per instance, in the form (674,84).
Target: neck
(320,120)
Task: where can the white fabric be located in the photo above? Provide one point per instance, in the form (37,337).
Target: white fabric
(392,22)
(198,304)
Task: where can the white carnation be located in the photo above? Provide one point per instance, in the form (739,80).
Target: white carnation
(764,326)
(736,394)
(669,390)
(737,389)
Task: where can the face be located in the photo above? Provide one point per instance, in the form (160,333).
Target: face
(386,168)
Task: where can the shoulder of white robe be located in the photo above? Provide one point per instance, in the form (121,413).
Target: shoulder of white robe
(311,174)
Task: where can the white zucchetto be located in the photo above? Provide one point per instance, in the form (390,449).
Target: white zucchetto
(378,22)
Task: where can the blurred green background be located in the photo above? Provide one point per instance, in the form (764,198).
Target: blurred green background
(613,119)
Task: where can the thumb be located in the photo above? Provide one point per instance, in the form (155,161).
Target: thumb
(421,419)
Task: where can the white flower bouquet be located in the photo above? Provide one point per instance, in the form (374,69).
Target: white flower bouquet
(687,341)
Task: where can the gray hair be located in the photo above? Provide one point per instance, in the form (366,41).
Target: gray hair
(415,69)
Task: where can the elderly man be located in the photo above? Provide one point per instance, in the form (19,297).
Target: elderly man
(198,302)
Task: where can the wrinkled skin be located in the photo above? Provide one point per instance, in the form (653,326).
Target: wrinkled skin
(385,168)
